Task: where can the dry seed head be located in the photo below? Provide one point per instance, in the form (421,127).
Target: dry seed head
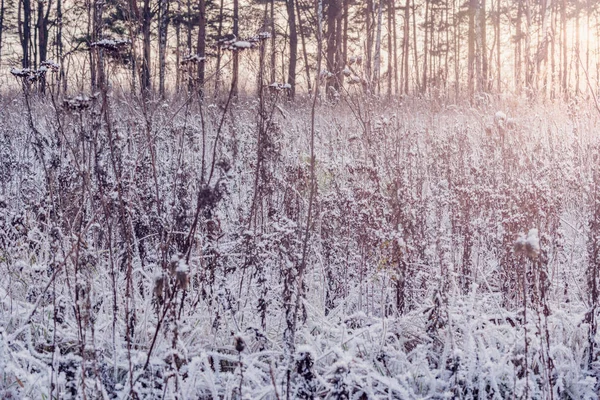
(182,279)
(240,345)
(159,286)
(174,264)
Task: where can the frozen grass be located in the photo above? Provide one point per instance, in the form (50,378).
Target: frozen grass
(418,285)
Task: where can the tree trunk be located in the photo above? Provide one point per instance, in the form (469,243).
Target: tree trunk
(1,26)
(553,25)
(91,33)
(484,59)
(457,51)
(471,50)
(236,61)
(304,51)
(394,28)
(406,45)
(189,26)
(98,9)
(273,44)
(42,29)
(498,50)
(146,24)
(25,30)
(563,19)
(346,10)
(332,19)
(201,45)
(390,49)
(369,43)
(219,53)
(134,31)
(415,47)
(162,45)
(42,25)
(529,70)
(377,61)
(542,50)
(425,47)
(293,48)
(339,37)
(178,48)
(587,44)
(518,60)
(478,48)
(577,61)
(62,81)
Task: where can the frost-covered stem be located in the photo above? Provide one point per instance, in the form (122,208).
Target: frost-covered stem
(272,375)
(166,308)
(39,139)
(203,127)
(201,191)
(54,370)
(174,355)
(162,44)
(152,149)
(291,345)
(377,60)
(241,374)
(592,270)
(123,215)
(78,315)
(261,127)
(546,311)
(524,294)
(109,233)
(232,93)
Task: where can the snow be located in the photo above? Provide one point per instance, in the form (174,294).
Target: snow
(499,116)
(438,261)
(193,58)
(30,75)
(528,244)
(276,86)
(111,44)
(242,44)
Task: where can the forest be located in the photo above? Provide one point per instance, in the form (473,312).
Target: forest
(299,199)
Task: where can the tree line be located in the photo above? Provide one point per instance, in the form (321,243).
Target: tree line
(546,48)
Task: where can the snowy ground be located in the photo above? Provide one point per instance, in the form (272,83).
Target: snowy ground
(452,251)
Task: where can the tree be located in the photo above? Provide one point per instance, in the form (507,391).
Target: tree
(471,54)
(24,23)
(406,45)
(293,35)
(163,25)
(201,44)
(2,10)
(146,23)
(236,61)
(377,62)
(333,39)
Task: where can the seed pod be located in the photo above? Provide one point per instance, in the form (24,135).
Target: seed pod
(173,264)
(182,279)
(159,287)
(240,345)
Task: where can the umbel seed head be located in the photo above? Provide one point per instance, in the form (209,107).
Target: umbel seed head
(528,244)
(240,345)
(159,286)
(182,279)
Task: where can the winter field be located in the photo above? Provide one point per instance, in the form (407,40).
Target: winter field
(186,251)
